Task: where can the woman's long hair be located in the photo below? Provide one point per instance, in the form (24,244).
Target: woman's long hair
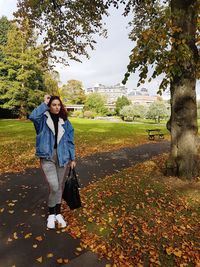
(63,112)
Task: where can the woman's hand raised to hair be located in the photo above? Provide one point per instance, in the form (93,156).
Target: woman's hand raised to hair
(46,99)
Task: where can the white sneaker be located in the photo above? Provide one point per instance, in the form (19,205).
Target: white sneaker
(60,220)
(51,221)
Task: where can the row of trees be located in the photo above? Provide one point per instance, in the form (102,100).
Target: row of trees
(95,105)
(156,111)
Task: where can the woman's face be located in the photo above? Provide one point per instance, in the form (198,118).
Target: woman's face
(55,106)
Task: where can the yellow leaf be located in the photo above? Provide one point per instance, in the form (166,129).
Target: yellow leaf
(60,260)
(11,211)
(35,246)
(39,259)
(28,235)
(90,220)
(108,265)
(169,250)
(177,253)
(11,204)
(15,235)
(49,255)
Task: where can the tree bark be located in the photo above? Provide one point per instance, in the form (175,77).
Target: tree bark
(183,122)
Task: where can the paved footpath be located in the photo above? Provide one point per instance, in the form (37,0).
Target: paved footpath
(23,210)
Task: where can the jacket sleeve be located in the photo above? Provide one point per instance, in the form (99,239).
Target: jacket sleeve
(37,114)
(71,144)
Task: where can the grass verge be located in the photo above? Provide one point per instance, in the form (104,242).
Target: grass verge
(17,137)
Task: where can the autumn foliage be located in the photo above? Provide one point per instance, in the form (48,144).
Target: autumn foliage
(139,218)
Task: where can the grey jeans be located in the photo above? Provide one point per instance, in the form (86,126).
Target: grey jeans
(55,177)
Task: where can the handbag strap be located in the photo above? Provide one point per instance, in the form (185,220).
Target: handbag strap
(72,170)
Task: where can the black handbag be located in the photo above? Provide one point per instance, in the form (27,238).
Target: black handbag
(71,190)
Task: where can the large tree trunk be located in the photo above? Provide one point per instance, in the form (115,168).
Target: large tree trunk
(183,122)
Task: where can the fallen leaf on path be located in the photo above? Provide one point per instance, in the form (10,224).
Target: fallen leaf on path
(15,235)
(60,260)
(49,255)
(39,259)
(39,238)
(28,235)
(11,211)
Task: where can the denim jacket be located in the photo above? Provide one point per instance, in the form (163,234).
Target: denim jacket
(45,138)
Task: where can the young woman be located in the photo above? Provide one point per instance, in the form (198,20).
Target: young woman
(55,148)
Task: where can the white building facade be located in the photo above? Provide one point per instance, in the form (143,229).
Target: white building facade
(111,92)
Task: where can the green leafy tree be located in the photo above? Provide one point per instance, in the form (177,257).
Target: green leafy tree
(130,112)
(157,111)
(21,74)
(65,24)
(5,26)
(96,102)
(73,92)
(51,82)
(120,103)
(165,35)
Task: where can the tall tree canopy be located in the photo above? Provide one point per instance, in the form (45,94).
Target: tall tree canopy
(5,26)
(72,92)
(21,72)
(120,103)
(165,35)
(67,26)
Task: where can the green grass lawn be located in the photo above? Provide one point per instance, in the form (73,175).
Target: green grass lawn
(18,139)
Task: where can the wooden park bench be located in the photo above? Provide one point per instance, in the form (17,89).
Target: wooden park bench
(155,132)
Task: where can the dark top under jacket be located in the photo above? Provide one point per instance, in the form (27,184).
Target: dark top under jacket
(55,118)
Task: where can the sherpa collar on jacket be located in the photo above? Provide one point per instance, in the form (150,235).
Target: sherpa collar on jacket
(61,130)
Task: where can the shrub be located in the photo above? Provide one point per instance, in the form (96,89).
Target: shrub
(78,114)
(89,114)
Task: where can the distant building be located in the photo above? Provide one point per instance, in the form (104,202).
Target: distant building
(143,99)
(142,91)
(111,92)
(74,107)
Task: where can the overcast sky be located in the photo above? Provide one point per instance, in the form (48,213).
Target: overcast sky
(107,63)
